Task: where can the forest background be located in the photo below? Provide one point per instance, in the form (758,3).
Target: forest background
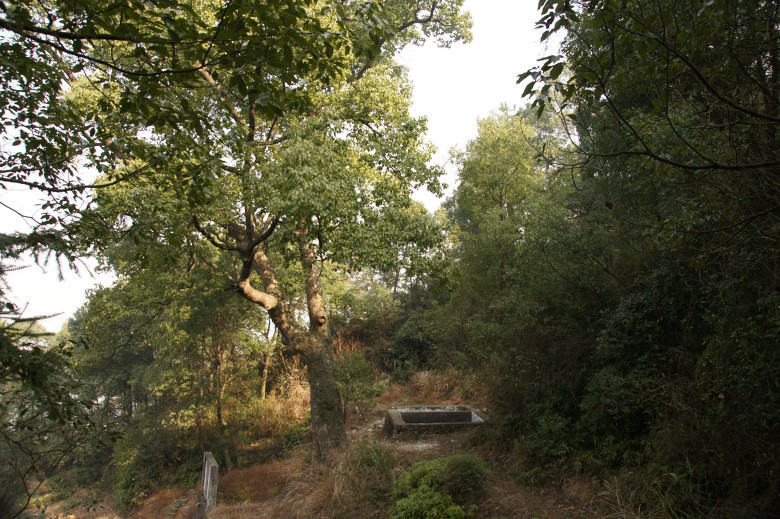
(608,258)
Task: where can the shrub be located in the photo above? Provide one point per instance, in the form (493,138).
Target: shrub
(426,503)
(463,476)
(150,457)
(411,348)
(460,476)
(12,487)
(298,433)
(355,379)
(551,437)
(134,474)
(374,456)
(424,473)
(537,391)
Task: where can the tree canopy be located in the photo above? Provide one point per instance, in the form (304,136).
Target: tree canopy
(325,175)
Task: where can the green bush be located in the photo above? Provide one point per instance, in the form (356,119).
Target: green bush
(460,476)
(149,457)
(355,379)
(374,456)
(551,438)
(536,390)
(12,488)
(412,346)
(424,473)
(135,473)
(187,473)
(427,503)
(75,477)
(464,476)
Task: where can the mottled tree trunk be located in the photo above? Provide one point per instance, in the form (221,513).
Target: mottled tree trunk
(315,343)
(327,416)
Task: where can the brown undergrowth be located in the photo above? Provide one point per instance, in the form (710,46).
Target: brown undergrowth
(358,481)
(255,483)
(358,478)
(171,503)
(449,387)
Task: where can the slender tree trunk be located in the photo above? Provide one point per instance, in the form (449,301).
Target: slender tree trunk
(218,387)
(199,418)
(128,403)
(202,380)
(264,384)
(267,359)
(220,424)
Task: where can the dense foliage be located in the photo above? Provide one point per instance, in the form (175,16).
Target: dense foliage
(628,291)
(608,258)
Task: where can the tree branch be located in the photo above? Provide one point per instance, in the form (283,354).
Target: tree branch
(211,237)
(231,108)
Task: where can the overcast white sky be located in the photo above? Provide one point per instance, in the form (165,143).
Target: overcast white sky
(452,88)
(456,86)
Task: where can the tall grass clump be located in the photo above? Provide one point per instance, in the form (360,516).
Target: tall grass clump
(368,472)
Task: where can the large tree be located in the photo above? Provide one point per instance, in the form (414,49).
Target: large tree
(199,91)
(131,53)
(137,50)
(326,171)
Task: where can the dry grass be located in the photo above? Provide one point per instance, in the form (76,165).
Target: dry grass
(294,377)
(505,499)
(310,491)
(294,393)
(345,343)
(394,394)
(158,506)
(349,487)
(256,483)
(581,490)
(285,406)
(617,497)
(357,483)
(449,387)
(246,510)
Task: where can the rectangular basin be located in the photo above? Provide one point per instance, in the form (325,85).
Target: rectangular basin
(431,418)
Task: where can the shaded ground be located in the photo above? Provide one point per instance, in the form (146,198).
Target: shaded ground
(171,503)
(81,504)
(257,483)
(293,488)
